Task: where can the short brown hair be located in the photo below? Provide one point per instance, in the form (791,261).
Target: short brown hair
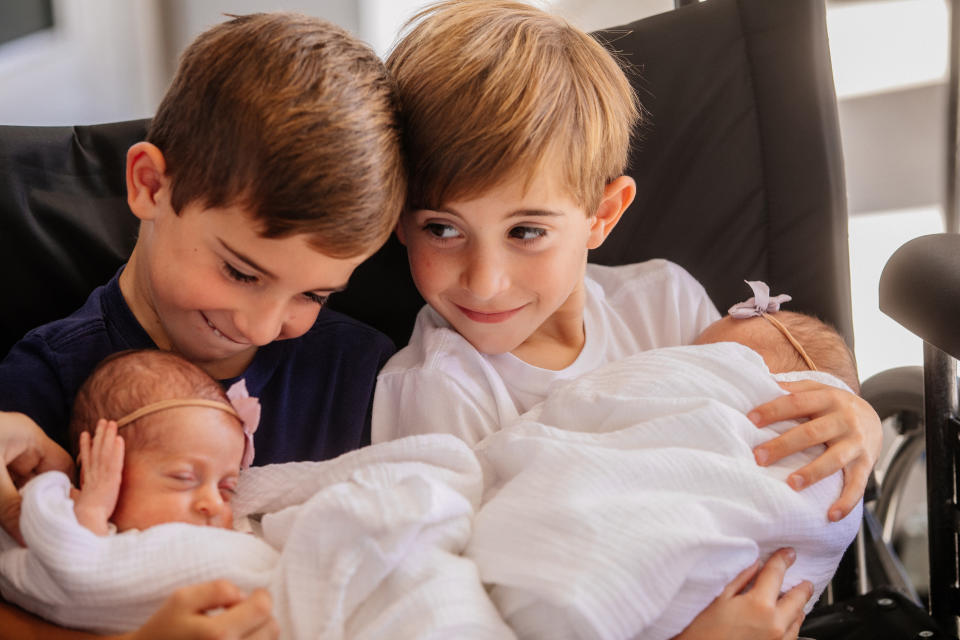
(292,118)
(129,380)
(490,89)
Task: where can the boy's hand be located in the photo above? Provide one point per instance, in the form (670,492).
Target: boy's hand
(25,451)
(184,616)
(101,468)
(843,421)
(759,613)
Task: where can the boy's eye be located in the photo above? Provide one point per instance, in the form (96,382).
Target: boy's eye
(227,493)
(440,230)
(316,297)
(527,234)
(182,476)
(237,275)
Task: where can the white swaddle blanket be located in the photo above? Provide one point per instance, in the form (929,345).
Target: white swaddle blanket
(364,546)
(624,503)
(618,508)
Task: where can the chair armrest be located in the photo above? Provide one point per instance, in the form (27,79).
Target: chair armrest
(920,289)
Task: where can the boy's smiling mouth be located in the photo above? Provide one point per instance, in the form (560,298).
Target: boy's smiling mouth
(217,331)
(491,318)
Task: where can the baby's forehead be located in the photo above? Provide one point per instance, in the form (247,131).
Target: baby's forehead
(734,329)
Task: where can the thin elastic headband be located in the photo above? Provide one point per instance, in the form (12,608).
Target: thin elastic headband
(761,304)
(789,336)
(173,403)
(242,406)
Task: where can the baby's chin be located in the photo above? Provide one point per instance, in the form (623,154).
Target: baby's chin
(135,525)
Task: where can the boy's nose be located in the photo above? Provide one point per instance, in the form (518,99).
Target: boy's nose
(261,324)
(485,275)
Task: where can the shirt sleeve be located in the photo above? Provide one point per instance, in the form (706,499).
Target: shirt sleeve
(694,307)
(419,401)
(30,384)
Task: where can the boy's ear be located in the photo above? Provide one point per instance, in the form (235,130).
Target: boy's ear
(401,233)
(617,196)
(146,179)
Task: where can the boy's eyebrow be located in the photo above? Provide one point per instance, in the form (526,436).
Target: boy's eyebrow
(251,263)
(518,213)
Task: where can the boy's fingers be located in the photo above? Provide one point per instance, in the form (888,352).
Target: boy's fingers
(802,402)
(249,616)
(855,480)
(741,581)
(10,506)
(794,631)
(834,459)
(770,578)
(207,595)
(798,438)
(790,605)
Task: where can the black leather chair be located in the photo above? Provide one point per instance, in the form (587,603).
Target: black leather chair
(738,166)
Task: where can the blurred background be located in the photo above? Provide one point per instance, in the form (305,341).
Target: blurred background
(70,62)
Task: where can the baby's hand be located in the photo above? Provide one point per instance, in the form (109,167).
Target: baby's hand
(101,467)
(843,421)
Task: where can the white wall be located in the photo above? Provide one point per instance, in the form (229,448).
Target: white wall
(97,64)
(111,60)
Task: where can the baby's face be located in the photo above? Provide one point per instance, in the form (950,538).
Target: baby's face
(187,472)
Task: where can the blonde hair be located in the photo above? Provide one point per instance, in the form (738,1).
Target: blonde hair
(492,88)
(292,118)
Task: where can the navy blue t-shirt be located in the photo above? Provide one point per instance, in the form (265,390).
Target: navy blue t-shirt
(315,391)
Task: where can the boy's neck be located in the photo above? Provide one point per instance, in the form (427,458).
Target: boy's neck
(557,343)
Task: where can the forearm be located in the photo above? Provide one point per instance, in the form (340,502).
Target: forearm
(17,624)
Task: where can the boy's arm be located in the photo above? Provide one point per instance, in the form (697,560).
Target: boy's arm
(25,451)
(17,624)
(101,467)
(182,616)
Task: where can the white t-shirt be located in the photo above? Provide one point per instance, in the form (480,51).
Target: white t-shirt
(439,383)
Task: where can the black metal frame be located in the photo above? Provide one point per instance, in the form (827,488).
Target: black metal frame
(920,289)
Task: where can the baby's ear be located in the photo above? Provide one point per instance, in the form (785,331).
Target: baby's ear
(617,196)
(146,179)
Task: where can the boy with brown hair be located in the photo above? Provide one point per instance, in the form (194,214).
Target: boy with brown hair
(271,170)
(517,129)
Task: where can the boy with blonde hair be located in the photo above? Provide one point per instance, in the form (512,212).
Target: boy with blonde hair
(272,169)
(517,128)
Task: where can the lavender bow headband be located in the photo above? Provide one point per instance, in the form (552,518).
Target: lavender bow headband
(242,406)
(761,304)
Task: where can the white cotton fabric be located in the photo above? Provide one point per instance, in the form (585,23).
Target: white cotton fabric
(621,506)
(440,384)
(617,508)
(364,546)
